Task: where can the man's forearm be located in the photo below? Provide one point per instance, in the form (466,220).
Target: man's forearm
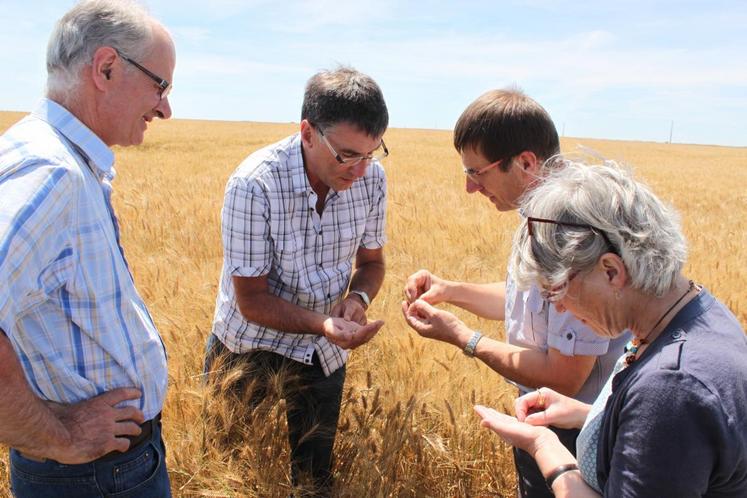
(533,368)
(26,422)
(368,278)
(484,300)
(274,312)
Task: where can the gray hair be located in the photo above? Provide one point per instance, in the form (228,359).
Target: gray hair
(610,203)
(121,24)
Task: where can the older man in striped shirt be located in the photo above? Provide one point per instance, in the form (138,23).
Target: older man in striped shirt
(297,214)
(82,368)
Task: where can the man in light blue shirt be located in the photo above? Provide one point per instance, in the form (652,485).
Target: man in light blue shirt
(82,367)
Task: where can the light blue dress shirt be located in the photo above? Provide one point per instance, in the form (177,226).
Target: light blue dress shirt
(68,303)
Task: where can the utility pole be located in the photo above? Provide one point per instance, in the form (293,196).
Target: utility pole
(671,129)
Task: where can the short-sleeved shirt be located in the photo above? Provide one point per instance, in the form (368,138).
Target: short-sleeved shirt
(270,227)
(675,424)
(531,322)
(68,303)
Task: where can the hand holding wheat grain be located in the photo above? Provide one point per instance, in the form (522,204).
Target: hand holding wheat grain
(426,286)
(433,323)
(349,335)
(547,407)
(520,434)
(350,309)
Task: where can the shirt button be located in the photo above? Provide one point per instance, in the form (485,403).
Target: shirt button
(569,336)
(676,334)
(329,296)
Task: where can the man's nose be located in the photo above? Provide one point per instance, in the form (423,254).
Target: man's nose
(163,109)
(359,169)
(472,186)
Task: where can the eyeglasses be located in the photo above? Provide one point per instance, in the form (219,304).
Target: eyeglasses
(594,229)
(554,294)
(164,87)
(378,154)
(472,172)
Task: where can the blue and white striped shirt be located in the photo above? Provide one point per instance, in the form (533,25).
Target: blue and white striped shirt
(68,303)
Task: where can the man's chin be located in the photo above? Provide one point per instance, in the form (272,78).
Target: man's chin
(343,184)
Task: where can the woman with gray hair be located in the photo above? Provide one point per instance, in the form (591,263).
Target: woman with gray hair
(671,419)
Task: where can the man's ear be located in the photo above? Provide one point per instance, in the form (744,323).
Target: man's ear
(528,162)
(102,67)
(307,129)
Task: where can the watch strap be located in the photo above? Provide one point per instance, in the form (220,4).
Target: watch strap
(364,297)
(469,349)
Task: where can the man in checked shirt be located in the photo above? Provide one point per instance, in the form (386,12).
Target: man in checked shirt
(82,368)
(303,231)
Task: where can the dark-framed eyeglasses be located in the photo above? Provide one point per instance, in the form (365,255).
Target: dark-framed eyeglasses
(378,154)
(531,219)
(164,87)
(473,172)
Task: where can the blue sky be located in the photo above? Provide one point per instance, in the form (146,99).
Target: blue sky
(619,70)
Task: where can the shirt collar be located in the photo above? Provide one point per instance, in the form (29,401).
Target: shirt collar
(299,180)
(99,156)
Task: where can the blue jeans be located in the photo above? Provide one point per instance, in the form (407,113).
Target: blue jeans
(138,473)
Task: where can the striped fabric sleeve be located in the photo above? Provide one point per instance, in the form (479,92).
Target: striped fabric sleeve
(247,247)
(374,235)
(36,253)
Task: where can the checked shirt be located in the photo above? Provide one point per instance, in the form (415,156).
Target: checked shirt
(270,227)
(68,303)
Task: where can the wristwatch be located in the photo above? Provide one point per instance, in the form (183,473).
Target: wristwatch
(469,349)
(364,297)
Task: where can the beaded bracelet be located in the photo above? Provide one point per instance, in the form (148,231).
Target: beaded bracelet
(559,471)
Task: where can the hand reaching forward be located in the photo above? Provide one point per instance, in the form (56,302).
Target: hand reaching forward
(434,323)
(349,335)
(426,286)
(96,426)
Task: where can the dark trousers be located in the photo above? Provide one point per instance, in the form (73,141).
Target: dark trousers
(531,481)
(312,403)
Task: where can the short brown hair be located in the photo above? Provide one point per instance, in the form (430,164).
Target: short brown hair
(502,124)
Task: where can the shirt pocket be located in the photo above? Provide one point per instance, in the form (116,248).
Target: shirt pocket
(346,246)
(289,255)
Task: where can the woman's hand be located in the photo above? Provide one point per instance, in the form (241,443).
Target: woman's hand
(547,407)
(519,434)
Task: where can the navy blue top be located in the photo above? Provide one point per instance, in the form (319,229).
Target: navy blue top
(676,422)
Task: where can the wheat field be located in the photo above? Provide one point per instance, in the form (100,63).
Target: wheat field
(407,426)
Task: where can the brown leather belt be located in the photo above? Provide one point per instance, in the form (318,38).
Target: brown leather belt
(146,431)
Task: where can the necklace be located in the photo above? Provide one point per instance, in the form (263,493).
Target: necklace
(634,345)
